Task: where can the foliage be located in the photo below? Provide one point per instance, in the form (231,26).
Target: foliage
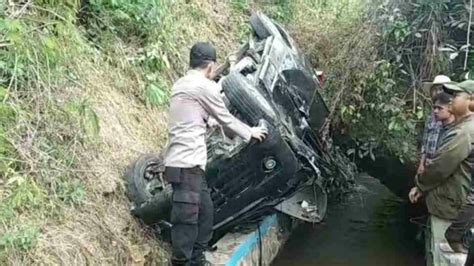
(240,5)
(71,192)
(19,196)
(376,55)
(38,136)
(85,115)
(383,116)
(23,238)
(281,10)
(53,55)
(146,24)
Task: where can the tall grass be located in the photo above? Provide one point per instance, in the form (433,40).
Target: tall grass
(39,137)
(81,94)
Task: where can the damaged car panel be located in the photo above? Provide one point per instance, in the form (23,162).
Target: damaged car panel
(269,82)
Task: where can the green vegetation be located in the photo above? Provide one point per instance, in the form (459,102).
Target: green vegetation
(376,55)
(83,85)
(49,128)
(82,88)
(37,134)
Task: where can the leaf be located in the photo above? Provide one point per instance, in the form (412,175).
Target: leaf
(372,156)
(91,122)
(167,62)
(391,125)
(418,35)
(453,56)
(50,43)
(464,47)
(154,95)
(419,114)
(350,151)
(16,179)
(446,49)
(462,25)
(122,15)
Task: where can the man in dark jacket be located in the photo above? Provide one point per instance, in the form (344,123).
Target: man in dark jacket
(446,181)
(465,217)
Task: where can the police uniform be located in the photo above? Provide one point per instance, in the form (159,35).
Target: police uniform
(194,99)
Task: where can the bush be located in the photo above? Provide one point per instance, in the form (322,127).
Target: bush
(376,56)
(38,137)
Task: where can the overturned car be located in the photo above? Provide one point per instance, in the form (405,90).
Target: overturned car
(267,81)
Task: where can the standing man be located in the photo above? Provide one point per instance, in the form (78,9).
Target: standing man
(432,127)
(194,99)
(446,180)
(465,218)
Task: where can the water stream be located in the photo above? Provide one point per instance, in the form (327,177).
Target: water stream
(370,228)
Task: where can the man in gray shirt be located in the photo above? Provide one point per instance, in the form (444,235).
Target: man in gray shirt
(194,99)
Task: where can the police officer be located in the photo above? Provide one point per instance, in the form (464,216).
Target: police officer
(194,99)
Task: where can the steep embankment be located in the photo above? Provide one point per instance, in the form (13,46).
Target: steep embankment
(80,99)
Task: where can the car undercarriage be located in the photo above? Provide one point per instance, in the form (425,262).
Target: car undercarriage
(267,82)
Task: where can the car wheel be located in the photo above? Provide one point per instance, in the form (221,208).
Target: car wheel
(149,195)
(247,99)
(258,25)
(144,177)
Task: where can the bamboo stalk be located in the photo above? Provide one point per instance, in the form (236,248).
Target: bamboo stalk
(468,35)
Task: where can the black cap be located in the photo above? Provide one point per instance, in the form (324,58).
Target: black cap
(201,52)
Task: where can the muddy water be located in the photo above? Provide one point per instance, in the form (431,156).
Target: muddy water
(369,229)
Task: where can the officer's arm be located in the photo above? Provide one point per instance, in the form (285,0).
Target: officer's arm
(455,147)
(212,101)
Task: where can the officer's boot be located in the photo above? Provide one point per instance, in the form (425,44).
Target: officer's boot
(200,261)
(179,262)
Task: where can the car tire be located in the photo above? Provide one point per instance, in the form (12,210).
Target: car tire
(136,176)
(247,99)
(258,25)
(150,206)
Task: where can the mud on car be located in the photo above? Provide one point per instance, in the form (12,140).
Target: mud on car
(268,81)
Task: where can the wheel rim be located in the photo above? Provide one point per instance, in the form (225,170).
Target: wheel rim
(153,178)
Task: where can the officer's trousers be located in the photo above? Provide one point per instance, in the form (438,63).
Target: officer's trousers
(192,217)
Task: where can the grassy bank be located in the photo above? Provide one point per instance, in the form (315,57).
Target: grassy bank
(82,93)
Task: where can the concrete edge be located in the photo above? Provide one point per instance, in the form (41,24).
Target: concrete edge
(245,248)
(251,248)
